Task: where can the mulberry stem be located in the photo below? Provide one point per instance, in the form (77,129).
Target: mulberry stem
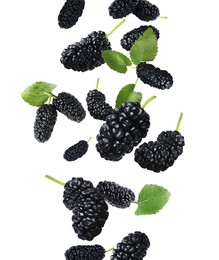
(148,101)
(109,249)
(115,28)
(55,180)
(179,121)
(89,139)
(163,17)
(97,84)
(136,81)
(135,202)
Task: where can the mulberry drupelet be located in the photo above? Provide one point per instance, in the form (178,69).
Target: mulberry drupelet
(68,105)
(115,194)
(44,123)
(133,246)
(95,252)
(130,37)
(70,13)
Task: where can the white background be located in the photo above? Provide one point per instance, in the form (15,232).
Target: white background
(34,222)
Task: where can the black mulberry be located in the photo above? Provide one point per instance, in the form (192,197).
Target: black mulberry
(86,54)
(97,106)
(68,105)
(133,246)
(70,13)
(115,194)
(75,190)
(44,123)
(76,151)
(123,130)
(146,11)
(95,252)
(89,215)
(121,8)
(130,37)
(153,76)
(160,155)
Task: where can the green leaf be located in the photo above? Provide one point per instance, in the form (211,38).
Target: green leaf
(116,60)
(152,199)
(36,94)
(145,48)
(127,94)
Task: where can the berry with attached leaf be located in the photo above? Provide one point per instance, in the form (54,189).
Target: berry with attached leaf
(160,155)
(44,123)
(130,37)
(70,13)
(76,151)
(121,8)
(146,11)
(115,194)
(95,252)
(75,190)
(122,131)
(153,76)
(68,105)
(133,246)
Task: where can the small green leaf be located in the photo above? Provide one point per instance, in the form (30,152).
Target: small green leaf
(36,94)
(152,199)
(145,48)
(127,94)
(116,60)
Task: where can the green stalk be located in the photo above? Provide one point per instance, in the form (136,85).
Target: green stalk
(179,122)
(115,28)
(109,249)
(89,139)
(148,101)
(55,180)
(136,81)
(97,84)
(163,17)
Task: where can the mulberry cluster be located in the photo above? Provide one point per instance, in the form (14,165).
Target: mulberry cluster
(115,194)
(46,117)
(160,155)
(70,13)
(121,8)
(146,11)
(153,76)
(97,106)
(122,131)
(76,151)
(68,105)
(130,37)
(95,252)
(133,246)
(86,54)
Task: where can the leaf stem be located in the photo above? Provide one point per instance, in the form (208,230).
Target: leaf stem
(136,81)
(50,94)
(135,202)
(163,17)
(55,180)
(97,84)
(115,28)
(89,139)
(179,121)
(109,249)
(148,101)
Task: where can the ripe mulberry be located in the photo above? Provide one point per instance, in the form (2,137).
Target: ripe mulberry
(133,246)
(68,105)
(115,194)
(121,8)
(97,106)
(90,215)
(154,77)
(160,155)
(70,13)
(123,130)
(75,190)
(130,37)
(86,54)
(44,123)
(95,252)
(146,11)
(76,151)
